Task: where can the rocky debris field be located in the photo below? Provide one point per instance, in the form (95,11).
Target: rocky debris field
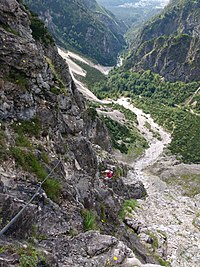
(167,220)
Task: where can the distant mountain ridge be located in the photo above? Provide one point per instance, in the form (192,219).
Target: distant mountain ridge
(82,25)
(169,44)
(134,12)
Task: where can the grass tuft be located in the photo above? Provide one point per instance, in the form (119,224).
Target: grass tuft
(89,220)
(31,127)
(29,162)
(127,208)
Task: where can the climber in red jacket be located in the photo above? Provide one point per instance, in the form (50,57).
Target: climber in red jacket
(109,174)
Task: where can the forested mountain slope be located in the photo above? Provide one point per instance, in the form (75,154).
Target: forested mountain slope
(84,26)
(169,44)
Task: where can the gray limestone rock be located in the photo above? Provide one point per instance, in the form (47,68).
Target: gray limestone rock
(9,207)
(19,21)
(95,130)
(127,191)
(93,249)
(84,154)
(196,221)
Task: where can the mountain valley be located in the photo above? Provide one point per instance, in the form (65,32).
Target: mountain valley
(68,116)
(84,26)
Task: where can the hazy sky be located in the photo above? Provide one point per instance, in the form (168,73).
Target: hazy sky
(142,3)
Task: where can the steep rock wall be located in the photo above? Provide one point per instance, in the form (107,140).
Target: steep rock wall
(169,44)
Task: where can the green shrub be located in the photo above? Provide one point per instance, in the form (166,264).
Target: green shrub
(127,207)
(119,171)
(55,90)
(31,127)
(169,103)
(190,183)
(73,232)
(60,89)
(163,262)
(22,141)
(29,162)
(155,244)
(129,115)
(6,27)
(28,261)
(144,84)
(18,77)
(28,256)
(155,134)
(122,138)
(2,249)
(102,214)
(92,104)
(183,126)
(91,112)
(52,188)
(125,137)
(45,157)
(39,31)
(89,220)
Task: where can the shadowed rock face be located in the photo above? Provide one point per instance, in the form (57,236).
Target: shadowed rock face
(169,44)
(44,119)
(18,21)
(9,207)
(96,130)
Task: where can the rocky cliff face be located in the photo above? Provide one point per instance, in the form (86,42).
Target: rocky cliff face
(46,128)
(169,44)
(84,26)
